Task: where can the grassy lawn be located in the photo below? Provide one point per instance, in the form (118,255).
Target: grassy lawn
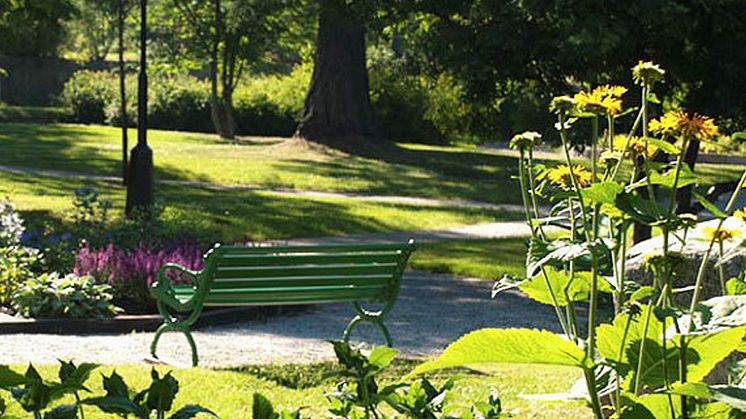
(231,216)
(419,170)
(486,259)
(229,393)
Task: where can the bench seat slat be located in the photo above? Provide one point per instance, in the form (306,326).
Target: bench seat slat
(280,295)
(304,270)
(301,280)
(308,259)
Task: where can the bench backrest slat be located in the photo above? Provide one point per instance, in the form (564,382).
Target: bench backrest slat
(304,274)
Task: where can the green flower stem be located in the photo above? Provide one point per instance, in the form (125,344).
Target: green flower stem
(626,146)
(594,149)
(532,187)
(590,381)
(524,195)
(621,354)
(610,137)
(642,347)
(721,269)
(566,148)
(524,192)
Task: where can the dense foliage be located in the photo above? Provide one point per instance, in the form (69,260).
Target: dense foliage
(51,295)
(654,359)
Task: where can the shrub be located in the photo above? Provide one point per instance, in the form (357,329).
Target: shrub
(11,224)
(53,296)
(131,272)
(88,93)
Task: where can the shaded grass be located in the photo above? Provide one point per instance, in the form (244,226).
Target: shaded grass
(486,259)
(229,393)
(415,170)
(239,215)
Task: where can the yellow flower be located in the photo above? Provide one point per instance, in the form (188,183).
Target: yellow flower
(720,234)
(647,72)
(698,126)
(601,100)
(637,146)
(562,176)
(740,214)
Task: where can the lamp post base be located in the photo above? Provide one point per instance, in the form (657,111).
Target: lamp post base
(140,179)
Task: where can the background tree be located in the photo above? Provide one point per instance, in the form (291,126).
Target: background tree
(230,35)
(93,31)
(32,27)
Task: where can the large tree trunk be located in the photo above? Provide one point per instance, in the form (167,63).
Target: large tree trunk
(337,107)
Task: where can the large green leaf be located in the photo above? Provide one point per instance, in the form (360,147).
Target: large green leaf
(732,396)
(686,177)
(515,346)
(709,206)
(602,193)
(381,356)
(191,410)
(10,378)
(644,210)
(579,288)
(710,349)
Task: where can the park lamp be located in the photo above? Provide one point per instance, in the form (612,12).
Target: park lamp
(140,180)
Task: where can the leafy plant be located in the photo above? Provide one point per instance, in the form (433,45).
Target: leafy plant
(34,394)
(17,265)
(155,401)
(90,212)
(360,396)
(651,360)
(262,409)
(50,296)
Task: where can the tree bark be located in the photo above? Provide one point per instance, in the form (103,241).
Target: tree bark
(221,104)
(337,108)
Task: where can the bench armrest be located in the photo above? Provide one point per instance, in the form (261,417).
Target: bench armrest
(163,289)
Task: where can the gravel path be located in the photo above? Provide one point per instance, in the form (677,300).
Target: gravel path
(432,311)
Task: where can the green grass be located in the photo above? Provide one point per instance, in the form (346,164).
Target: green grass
(234,215)
(416,170)
(35,114)
(229,393)
(486,259)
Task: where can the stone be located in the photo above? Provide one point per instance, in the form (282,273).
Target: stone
(693,248)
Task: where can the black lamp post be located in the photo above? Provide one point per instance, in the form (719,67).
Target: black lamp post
(140,179)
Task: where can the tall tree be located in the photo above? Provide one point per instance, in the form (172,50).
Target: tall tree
(337,106)
(230,35)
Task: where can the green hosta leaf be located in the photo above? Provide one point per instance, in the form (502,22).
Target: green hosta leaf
(648,406)
(515,346)
(686,177)
(732,396)
(709,206)
(579,289)
(602,193)
(192,410)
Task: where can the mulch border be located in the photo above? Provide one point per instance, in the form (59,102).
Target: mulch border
(127,323)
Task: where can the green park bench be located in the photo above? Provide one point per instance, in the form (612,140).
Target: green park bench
(284,275)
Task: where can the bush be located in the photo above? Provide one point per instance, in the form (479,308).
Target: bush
(87,95)
(17,265)
(53,296)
